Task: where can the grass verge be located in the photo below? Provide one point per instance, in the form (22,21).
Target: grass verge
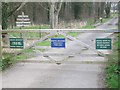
(113,68)
(6,62)
(89,24)
(9,60)
(34,27)
(90,21)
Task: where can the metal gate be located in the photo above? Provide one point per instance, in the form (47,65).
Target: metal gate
(48,33)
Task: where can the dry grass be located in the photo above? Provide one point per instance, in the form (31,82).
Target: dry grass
(76,24)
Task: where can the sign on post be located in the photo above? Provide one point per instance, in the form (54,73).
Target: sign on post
(23,20)
(16,43)
(58,42)
(103,43)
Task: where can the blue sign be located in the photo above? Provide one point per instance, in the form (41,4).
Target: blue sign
(58,42)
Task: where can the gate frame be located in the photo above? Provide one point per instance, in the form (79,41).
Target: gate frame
(0,42)
(62,32)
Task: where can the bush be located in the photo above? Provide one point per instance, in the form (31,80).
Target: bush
(6,63)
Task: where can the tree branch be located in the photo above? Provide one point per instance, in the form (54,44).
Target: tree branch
(16,9)
(43,7)
(21,6)
(60,5)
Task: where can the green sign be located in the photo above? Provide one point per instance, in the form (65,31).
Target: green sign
(16,43)
(103,43)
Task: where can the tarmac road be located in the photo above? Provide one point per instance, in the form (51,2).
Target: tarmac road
(71,73)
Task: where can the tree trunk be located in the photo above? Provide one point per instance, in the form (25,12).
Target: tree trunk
(94,11)
(107,9)
(55,19)
(4,16)
(5,22)
(119,15)
(52,15)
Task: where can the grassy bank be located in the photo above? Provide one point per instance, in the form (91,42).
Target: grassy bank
(6,62)
(113,68)
(90,21)
(9,60)
(89,24)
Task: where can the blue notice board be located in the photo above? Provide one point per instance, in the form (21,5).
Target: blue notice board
(58,42)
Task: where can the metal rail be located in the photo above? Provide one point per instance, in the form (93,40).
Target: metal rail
(64,30)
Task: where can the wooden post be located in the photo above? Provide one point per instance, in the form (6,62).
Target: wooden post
(0,30)
(22,35)
(0,43)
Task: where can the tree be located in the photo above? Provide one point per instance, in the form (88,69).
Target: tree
(107,9)
(6,12)
(119,15)
(98,10)
(0,13)
(4,15)
(94,12)
(55,8)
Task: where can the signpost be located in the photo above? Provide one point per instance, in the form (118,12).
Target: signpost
(16,43)
(58,42)
(103,43)
(23,20)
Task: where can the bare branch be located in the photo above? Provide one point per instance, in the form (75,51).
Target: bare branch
(43,7)
(16,9)
(55,7)
(21,6)
(60,5)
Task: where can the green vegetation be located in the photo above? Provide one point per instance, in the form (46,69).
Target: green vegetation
(114,14)
(24,56)
(6,62)
(35,27)
(106,19)
(9,60)
(73,34)
(90,21)
(29,35)
(44,43)
(113,69)
(89,25)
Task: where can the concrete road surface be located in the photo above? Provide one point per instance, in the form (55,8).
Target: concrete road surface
(73,72)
